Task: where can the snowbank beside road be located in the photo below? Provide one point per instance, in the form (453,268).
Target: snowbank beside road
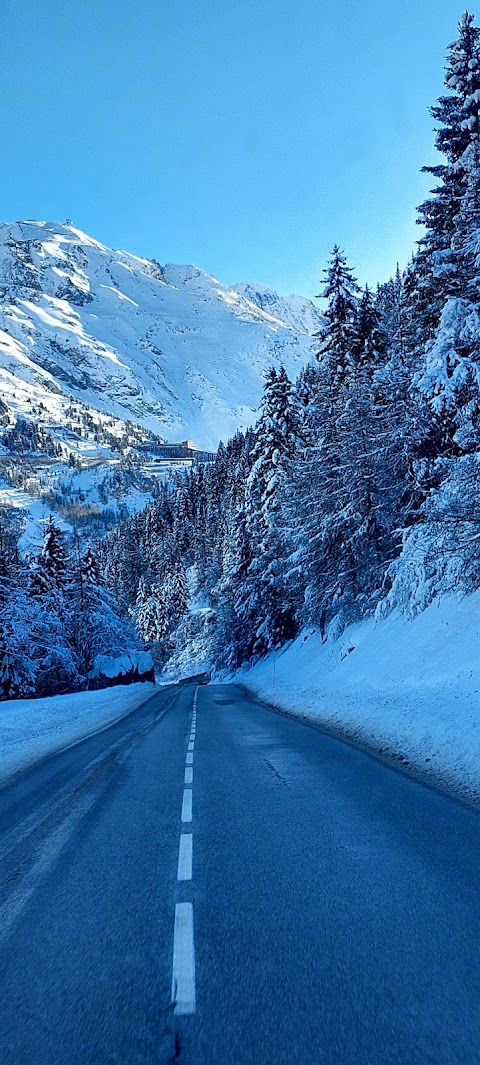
(407,689)
(33,728)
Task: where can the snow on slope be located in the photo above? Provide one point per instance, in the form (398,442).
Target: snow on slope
(406,688)
(296,311)
(171,349)
(31,729)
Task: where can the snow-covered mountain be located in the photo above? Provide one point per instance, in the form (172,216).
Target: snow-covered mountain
(295,311)
(169,348)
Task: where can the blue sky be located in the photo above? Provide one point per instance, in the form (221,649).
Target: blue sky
(245,137)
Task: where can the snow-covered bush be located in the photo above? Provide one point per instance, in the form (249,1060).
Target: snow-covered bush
(128,668)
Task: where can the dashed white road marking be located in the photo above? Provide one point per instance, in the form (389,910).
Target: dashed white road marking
(187,805)
(183,974)
(183,977)
(185,857)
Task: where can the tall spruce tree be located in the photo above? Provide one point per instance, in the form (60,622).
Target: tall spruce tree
(263,602)
(433,275)
(339,333)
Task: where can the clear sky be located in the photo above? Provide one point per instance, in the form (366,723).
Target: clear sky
(245,137)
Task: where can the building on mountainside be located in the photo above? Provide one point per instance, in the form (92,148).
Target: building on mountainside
(186,449)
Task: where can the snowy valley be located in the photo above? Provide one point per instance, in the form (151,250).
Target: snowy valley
(239,536)
(344,493)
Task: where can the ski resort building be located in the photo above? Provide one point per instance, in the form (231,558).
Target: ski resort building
(186,450)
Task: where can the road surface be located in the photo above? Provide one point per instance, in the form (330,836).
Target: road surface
(226,886)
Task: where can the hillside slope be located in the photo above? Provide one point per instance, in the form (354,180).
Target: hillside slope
(169,348)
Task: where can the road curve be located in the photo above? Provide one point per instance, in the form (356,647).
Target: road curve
(210,883)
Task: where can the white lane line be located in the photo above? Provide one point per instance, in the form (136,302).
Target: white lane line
(187,805)
(192,737)
(183,977)
(185,857)
(189,758)
(189,774)
(191,745)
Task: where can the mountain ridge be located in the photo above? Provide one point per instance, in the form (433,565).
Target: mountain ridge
(170,348)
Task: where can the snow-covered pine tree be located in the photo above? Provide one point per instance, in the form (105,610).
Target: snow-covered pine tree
(151,616)
(234,639)
(94,623)
(466,235)
(264,603)
(123,558)
(339,334)
(368,341)
(433,275)
(449,381)
(17,653)
(9,554)
(177,597)
(55,557)
(35,654)
(396,330)
(90,568)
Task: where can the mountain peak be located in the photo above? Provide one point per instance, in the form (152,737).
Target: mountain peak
(298,312)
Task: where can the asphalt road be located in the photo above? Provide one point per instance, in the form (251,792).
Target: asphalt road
(244,892)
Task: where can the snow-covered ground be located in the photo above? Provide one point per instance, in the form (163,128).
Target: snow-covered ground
(33,728)
(408,689)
